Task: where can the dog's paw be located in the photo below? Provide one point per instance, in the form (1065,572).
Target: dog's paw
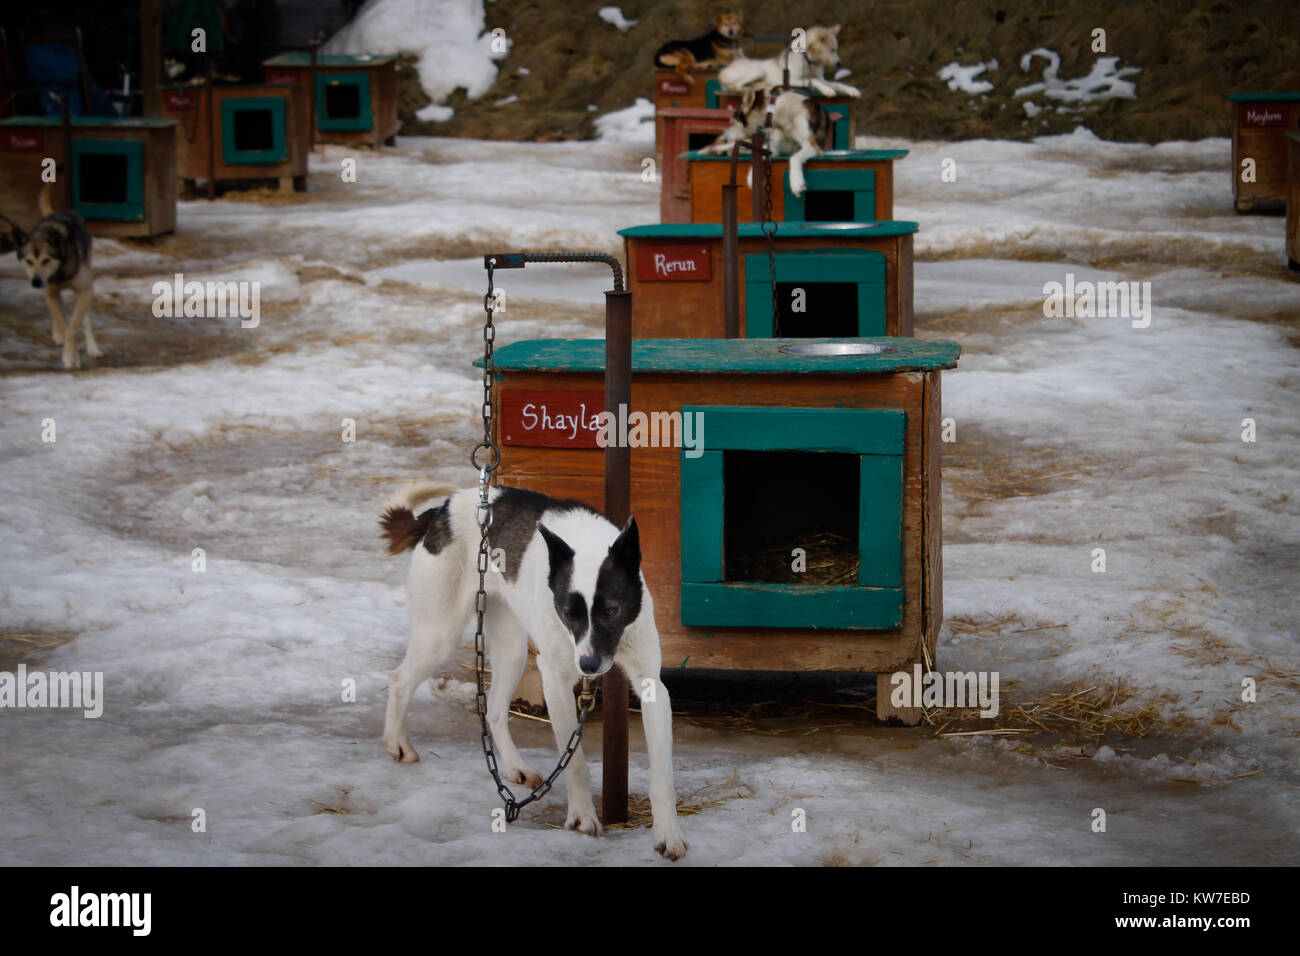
(94,351)
(401,751)
(525,775)
(57,335)
(71,360)
(583,823)
(669,842)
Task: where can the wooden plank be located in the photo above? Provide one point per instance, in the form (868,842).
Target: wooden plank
(1260,123)
(720,358)
(1293,201)
(931,516)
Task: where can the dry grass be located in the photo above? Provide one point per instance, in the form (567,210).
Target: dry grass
(831,559)
(1077,714)
(29,647)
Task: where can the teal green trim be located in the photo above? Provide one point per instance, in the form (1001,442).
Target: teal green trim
(279,150)
(876,436)
(331,59)
(838,116)
(853,431)
(702,522)
(751,356)
(860,182)
(880,519)
(1264,97)
(711,90)
(327,123)
(791,606)
(133,209)
(92,122)
(865,267)
(754,230)
(875,155)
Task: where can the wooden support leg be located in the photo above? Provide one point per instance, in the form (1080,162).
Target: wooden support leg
(287,182)
(300,184)
(886,712)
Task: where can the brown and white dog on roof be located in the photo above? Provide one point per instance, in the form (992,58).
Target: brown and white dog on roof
(799,125)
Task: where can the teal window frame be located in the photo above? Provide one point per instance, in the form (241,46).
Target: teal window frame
(711,90)
(133,209)
(877,437)
(279,150)
(860,182)
(324,122)
(865,267)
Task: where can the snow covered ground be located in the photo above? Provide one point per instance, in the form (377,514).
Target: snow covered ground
(224,690)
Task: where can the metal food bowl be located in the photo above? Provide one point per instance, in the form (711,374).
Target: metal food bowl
(837,348)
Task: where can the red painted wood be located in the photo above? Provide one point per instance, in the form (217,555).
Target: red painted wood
(558,418)
(673,262)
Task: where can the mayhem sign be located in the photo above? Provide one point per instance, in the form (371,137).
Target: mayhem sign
(673,262)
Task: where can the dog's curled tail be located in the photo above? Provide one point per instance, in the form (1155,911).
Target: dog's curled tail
(401,527)
(45,200)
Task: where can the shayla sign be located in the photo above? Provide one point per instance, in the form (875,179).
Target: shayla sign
(673,262)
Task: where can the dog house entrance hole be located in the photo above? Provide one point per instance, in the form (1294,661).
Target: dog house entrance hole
(102,178)
(776,501)
(696,141)
(343,101)
(828,205)
(254,130)
(830,309)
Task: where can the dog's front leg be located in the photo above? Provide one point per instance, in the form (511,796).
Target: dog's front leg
(54,302)
(557,688)
(71,359)
(642,664)
(81,317)
(798,184)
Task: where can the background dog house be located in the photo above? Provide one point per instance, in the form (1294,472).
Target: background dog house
(355,96)
(686,129)
(673,91)
(1293,201)
(839,113)
(258,132)
(120,174)
(843,186)
(720,521)
(856,279)
(1260,122)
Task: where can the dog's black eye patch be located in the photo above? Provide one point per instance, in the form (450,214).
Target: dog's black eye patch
(575,612)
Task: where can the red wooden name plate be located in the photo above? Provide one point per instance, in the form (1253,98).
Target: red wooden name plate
(673,262)
(179,99)
(276,77)
(672,86)
(21,141)
(545,418)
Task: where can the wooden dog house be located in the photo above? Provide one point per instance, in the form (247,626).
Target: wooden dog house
(852,279)
(1260,123)
(843,186)
(722,509)
(120,173)
(839,111)
(257,132)
(672,91)
(686,129)
(355,96)
(1293,201)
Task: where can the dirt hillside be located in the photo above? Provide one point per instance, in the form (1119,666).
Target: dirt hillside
(1190,53)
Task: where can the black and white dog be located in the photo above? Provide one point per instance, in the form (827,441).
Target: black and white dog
(799,124)
(572,582)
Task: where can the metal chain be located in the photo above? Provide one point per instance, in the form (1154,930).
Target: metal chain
(483,515)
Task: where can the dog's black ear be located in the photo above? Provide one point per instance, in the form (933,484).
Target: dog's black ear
(559,551)
(626,549)
(19,239)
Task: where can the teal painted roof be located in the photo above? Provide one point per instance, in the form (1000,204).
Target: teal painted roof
(860,155)
(330,59)
(731,356)
(130,122)
(754,230)
(1263,97)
